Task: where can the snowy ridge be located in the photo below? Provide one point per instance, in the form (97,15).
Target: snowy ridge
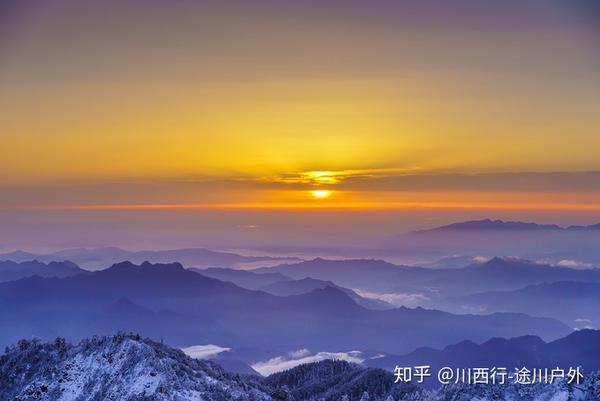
(122,367)
(129,368)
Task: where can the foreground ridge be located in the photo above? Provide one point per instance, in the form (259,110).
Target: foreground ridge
(127,367)
(120,367)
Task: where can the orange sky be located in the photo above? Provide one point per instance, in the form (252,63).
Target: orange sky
(385,104)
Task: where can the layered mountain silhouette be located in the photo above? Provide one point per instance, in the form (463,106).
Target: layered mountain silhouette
(187,308)
(367,274)
(99,258)
(576,303)
(489,224)
(10,270)
(309,284)
(281,285)
(384,277)
(251,280)
(489,237)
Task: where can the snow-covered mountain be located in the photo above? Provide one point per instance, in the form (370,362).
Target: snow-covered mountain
(130,368)
(121,367)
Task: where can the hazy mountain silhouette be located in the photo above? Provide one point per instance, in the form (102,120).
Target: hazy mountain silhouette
(455,262)
(188,308)
(243,278)
(99,258)
(353,273)
(308,284)
(508,274)
(489,224)
(281,285)
(10,270)
(490,237)
(575,303)
(384,277)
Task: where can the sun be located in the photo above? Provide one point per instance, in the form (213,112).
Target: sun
(321,193)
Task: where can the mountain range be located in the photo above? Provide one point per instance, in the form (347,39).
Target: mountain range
(489,224)
(498,285)
(577,303)
(187,308)
(281,285)
(490,237)
(497,274)
(309,284)
(10,270)
(251,280)
(100,258)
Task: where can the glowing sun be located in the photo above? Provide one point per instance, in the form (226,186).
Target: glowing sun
(321,193)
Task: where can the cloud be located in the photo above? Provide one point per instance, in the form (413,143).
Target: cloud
(373,185)
(568,263)
(574,264)
(204,351)
(477,182)
(299,357)
(394,298)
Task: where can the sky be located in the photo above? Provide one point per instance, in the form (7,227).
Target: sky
(237,123)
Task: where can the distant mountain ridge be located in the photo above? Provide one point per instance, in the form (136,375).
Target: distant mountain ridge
(100,258)
(308,284)
(10,270)
(188,308)
(489,224)
(574,302)
(282,285)
(251,280)
(383,277)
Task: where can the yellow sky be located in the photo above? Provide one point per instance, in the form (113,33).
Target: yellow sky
(241,94)
(256,129)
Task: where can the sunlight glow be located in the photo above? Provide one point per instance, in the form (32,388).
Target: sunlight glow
(321,193)
(322,177)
